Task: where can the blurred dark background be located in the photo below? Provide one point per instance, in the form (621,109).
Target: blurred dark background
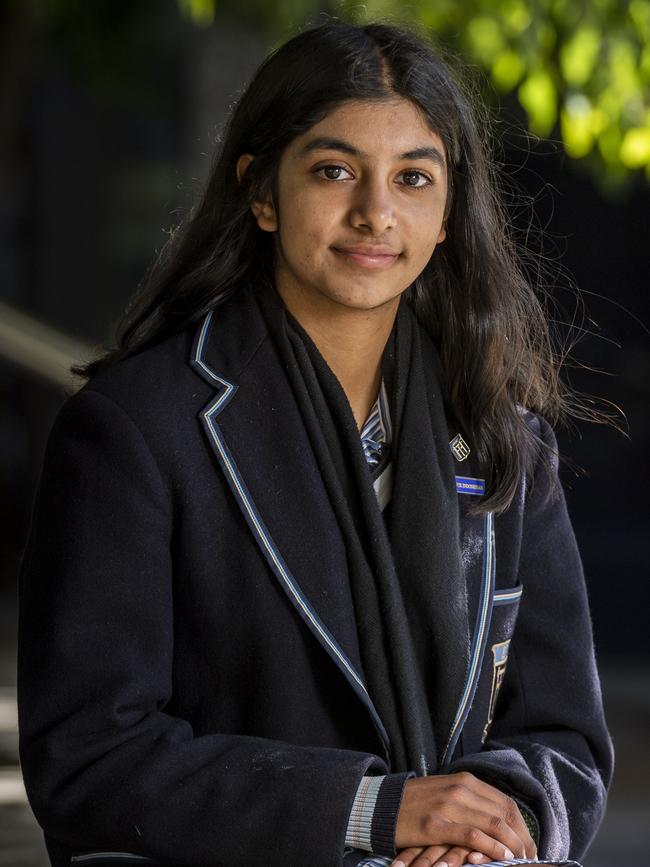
(109,115)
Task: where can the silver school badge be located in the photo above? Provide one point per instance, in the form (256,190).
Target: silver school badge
(459,448)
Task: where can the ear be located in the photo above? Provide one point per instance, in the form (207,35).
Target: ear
(442,234)
(264,211)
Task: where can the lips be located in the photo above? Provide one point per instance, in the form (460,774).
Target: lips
(368,257)
(368,250)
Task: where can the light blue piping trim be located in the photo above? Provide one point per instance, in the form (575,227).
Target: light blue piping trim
(263,534)
(480,635)
(272,551)
(506,597)
(198,355)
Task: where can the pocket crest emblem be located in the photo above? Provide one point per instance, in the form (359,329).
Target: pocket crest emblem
(499,662)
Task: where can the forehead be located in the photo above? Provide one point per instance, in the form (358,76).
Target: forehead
(393,128)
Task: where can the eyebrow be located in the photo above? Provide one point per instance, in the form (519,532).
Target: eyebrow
(336,144)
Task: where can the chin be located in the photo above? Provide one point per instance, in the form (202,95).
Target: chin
(360,301)
(360,293)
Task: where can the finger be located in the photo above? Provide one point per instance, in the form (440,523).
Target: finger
(458,856)
(464,788)
(491,825)
(498,826)
(453,857)
(469,836)
(503,805)
(431,857)
(513,816)
(407,857)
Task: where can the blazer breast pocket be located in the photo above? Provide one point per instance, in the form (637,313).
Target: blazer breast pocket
(505,608)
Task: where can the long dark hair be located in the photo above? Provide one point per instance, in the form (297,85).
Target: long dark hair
(473,296)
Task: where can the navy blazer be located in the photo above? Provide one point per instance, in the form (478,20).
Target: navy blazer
(190,687)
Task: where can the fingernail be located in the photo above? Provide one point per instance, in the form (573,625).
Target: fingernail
(441,864)
(399,864)
(509,855)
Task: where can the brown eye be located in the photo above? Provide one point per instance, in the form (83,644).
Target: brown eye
(411,173)
(331,169)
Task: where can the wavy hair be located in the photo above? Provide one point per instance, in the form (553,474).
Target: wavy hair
(473,296)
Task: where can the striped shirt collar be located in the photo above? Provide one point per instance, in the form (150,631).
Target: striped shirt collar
(377,430)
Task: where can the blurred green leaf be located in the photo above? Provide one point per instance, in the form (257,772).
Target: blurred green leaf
(517,17)
(578,55)
(635,148)
(640,15)
(507,70)
(200,12)
(538,96)
(486,38)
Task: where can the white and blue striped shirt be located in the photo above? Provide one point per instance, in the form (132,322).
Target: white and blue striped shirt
(376,437)
(377,432)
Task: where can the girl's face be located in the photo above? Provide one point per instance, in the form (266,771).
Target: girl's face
(361,206)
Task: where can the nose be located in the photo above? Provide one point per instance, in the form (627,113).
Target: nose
(372,207)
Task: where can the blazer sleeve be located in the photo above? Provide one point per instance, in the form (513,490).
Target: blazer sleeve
(105,765)
(549,746)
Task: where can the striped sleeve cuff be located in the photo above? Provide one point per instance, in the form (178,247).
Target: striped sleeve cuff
(373,817)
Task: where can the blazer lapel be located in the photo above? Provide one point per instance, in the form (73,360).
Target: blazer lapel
(478,559)
(254,427)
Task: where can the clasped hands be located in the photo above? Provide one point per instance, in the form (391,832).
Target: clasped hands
(457,819)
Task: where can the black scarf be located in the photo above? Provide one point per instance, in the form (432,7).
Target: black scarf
(404,566)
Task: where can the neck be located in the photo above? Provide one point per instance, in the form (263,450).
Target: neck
(350,340)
